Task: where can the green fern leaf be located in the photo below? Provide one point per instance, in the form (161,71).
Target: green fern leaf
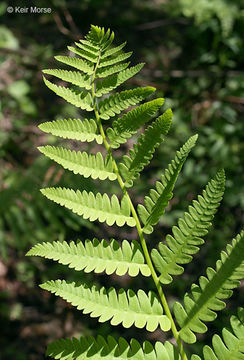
(97,256)
(89,348)
(110,70)
(74,129)
(113,51)
(108,84)
(82,100)
(232,348)
(76,63)
(189,232)
(81,163)
(206,299)
(73,77)
(158,199)
(143,151)
(93,207)
(84,54)
(126,308)
(123,128)
(118,102)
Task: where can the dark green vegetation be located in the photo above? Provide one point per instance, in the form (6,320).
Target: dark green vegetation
(194,58)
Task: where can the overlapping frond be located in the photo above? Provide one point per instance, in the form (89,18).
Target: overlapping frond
(81,162)
(125,308)
(73,77)
(187,236)
(124,127)
(96,255)
(159,197)
(118,102)
(143,151)
(82,99)
(74,129)
(204,300)
(77,63)
(112,82)
(90,348)
(232,345)
(93,207)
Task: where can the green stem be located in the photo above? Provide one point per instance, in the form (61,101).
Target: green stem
(138,224)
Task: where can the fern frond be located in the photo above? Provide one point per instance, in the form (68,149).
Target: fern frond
(187,236)
(113,50)
(93,207)
(82,100)
(73,77)
(81,163)
(77,63)
(118,102)
(90,348)
(108,84)
(74,129)
(158,198)
(143,151)
(95,255)
(124,127)
(205,299)
(126,308)
(114,60)
(84,54)
(233,345)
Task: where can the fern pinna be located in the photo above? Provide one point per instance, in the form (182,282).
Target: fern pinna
(99,69)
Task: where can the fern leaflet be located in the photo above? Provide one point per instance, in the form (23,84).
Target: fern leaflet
(81,163)
(82,100)
(84,53)
(189,232)
(110,70)
(97,256)
(113,50)
(89,348)
(121,101)
(74,129)
(123,128)
(93,207)
(233,345)
(115,60)
(125,308)
(206,299)
(158,199)
(76,63)
(143,151)
(73,77)
(108,84)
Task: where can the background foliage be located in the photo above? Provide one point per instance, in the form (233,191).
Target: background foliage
(193,52)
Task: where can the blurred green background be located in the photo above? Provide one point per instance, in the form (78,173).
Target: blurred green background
(193,50)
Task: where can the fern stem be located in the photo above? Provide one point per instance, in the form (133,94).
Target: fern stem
(138,224)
